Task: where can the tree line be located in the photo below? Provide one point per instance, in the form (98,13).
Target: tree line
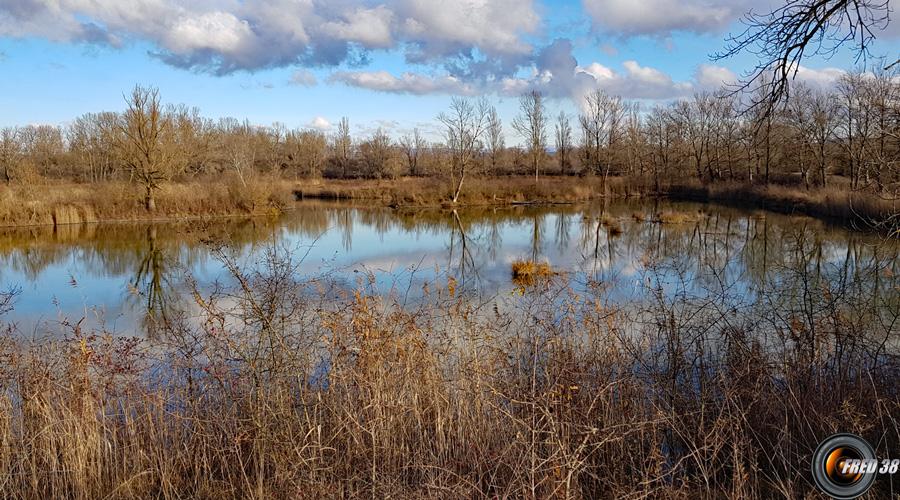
(847,134)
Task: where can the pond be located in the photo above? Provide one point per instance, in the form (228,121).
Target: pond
(113,275)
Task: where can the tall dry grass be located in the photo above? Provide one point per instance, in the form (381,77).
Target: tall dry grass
(498,190)
(57,203)
(277,387)
(862,210)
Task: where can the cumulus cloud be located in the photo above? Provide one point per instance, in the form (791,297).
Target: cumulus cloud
(709,76)
(303,78)
(824,78)
(406,83)
(558,74)
(555,73)
(369,27)
(224,36)
(319,123)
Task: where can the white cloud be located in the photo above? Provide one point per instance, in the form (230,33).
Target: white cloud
(218,31)
(556,73)
(406,83)
(446,27)
(821,78)
(319,123)
(224,36)
(709,76)
(568,79)
(370,27)
(597,70)
(303,78)
(662,17)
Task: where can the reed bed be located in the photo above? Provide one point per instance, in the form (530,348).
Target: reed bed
(61,203)
(280,387)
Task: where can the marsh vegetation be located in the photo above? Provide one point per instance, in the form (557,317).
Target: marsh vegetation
(704,356)
(700,357)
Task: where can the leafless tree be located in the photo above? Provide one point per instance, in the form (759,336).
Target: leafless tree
(145,146)
(661,136)
(464,125)
(600,130)
(413,144)
(238,147)
(563,141)
(10,151)
(378,156)
(695,122)
(92,140)
(496,142)
(783,37)
(343,145)
(531,124)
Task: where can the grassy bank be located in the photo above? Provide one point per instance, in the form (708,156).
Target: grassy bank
(270,389)
(432,191)
(56,203)
(65,203)
(859,210)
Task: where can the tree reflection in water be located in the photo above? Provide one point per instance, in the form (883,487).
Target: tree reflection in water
(154,286)
(710,246)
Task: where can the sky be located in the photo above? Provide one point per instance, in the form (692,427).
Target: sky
(393,64)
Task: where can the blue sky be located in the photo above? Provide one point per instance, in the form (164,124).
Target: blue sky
(393,64)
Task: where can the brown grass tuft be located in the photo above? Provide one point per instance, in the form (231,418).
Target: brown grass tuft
(612,225)
(529,272)
(672,217)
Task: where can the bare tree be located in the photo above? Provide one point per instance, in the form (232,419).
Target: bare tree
(856,124)
(464,126)
(307,151)
(412,146)
(634,139)
(783,37)
(92,141)
(599,130)
(237,145)
(343,145)
(496,143)
(145,147)
(695,122)
(563,141)
(661,136)
(824,123)
(378,155)
(798,113)
(10,151)
(531,124)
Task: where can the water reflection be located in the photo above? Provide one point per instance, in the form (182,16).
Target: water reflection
(128,276)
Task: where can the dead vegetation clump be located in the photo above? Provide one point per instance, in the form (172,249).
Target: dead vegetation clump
(612,225)
(674,217)
(528,272)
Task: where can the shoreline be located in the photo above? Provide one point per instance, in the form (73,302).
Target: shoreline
(216,200)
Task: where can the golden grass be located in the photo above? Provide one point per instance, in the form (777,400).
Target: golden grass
(436,191)
(57,203)
(529,272)
(612,225)
(860,210)
(299,396)
(673,217)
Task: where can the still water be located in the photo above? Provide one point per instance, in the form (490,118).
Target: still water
(112,275)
